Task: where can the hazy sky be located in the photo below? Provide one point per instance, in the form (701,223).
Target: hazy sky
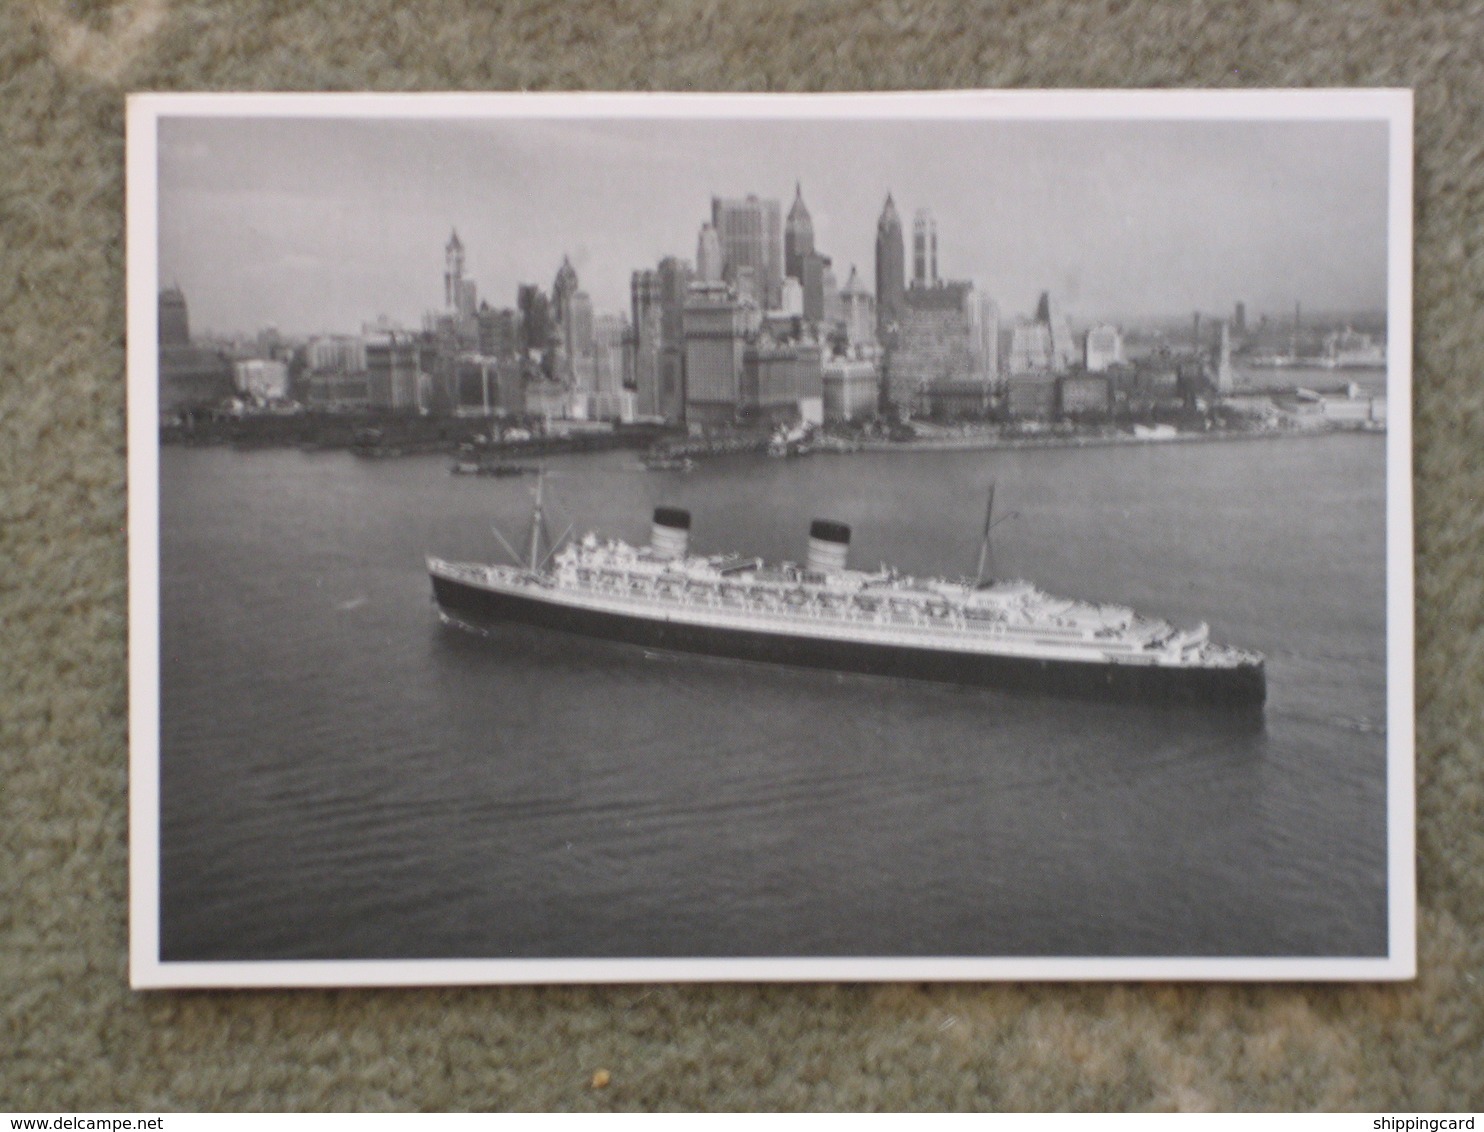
(320,225)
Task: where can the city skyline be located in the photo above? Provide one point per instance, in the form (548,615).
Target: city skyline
(321,225)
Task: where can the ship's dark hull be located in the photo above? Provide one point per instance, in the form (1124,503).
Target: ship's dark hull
(1238,687)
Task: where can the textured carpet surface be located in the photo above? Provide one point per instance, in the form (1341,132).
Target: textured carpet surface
(72,1035)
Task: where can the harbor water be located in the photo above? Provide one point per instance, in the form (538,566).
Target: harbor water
(344,777)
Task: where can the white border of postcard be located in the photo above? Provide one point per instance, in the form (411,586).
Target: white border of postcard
(144,111)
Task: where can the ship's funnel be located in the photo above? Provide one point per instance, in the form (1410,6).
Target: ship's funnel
(671,534)
(828,543)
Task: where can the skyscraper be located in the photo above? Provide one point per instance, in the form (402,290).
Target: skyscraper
(793,298)
(190,376)
(1223,361)
(579,324)
(499,333)
(1104,348)
(832,312)
(466,303)
(985,317)
(1044,344)
(175,326)
(562,289)
(460,299)
(859,311)
(535,317)
(924,249)
(717,327)
(609,332)
(891,270)
(675,277)
(938,352)
(708,255)
(798,236)
(1049,313)
(453,271)
(1030,349)
(646,309)
(938,343)
(574,339)
(751,236)
(813,268)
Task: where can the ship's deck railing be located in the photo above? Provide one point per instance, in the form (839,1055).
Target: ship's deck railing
(1151,641)
(463,571)
(836,608)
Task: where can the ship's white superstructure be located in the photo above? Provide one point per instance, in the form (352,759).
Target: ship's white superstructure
(1007,617)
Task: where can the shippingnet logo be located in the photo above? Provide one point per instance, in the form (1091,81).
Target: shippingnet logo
(88,1123)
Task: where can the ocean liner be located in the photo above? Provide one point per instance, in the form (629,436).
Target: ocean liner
(823,614)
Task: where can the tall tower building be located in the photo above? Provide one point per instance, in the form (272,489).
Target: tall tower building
(579,326)
(453,271)
(577,364)
(717,327)
(751,234)
(985,318)
(647,308)
(466,304)
(674,277)
(1059,332)
(793,298)
(938,343)
(499,332)
(1030,349)
(644,295)
(562,290)
(457,323)
(924,249)
(708,255)
(536,327)
(1223,360)
(859,311)
(1104,348)
(175,327)
(891,270)
(609,332)
(832,309)
(798,236)
(818,282)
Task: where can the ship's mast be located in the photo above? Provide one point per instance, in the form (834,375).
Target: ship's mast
(984,545)
(990,522)
(537,524)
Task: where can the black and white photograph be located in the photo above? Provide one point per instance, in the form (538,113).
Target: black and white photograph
(819,537)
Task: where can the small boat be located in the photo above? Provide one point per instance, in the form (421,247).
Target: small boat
(669,464)
(475,468)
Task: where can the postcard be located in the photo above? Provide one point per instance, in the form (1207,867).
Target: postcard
(600,538)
